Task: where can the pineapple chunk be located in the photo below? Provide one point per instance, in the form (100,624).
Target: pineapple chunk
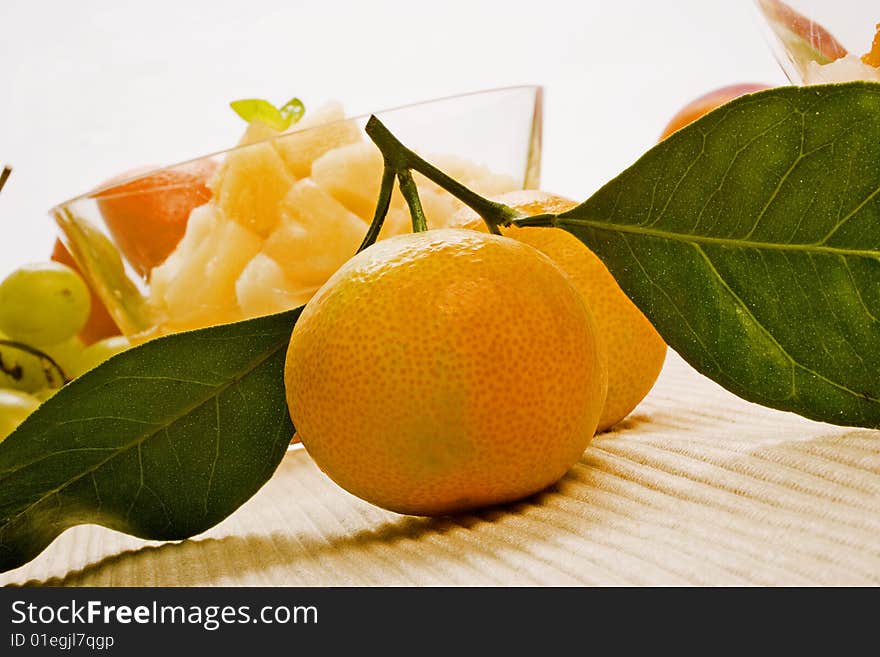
(199,226)
(249,186)
(315,134)
(438,208)
(397,222)
(200,288)
(477,177)
(263,289)
(257,131)
(315,237)
(437,204)
(352,175)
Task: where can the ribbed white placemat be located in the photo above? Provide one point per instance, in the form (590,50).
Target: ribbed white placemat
(696,487)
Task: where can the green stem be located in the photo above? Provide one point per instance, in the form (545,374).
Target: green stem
(543,220)
(411,194)
(386,187)
(400,157)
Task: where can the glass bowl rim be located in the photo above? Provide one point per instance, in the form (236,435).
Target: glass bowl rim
(537,89)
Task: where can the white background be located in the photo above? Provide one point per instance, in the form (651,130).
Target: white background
(90,89)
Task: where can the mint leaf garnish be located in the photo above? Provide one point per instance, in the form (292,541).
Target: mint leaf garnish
(257,109)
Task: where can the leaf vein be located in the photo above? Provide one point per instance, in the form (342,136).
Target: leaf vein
(141,438)
(870,197)
(216,452)
(672,303)
(858,290)
(770,335)
(680,181)
(568,219)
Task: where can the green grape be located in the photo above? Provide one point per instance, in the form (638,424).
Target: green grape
(15,406)
(27,369)
(43,303)
(97,353)
(45,393)
(67,354)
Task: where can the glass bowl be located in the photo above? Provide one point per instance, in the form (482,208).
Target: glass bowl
(817,41)
(257,228)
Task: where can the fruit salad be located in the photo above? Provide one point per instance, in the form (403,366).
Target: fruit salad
(286,210)
(814,52)
(847,68)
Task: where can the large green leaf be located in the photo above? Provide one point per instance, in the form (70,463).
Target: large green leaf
(751,239)
(162,442)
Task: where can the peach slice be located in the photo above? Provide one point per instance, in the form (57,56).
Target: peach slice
(147,215)
(801,34)
(706,103)
(872,58)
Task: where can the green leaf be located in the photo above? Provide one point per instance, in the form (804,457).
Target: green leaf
(751,239)
(257,109)
(292,111)
(162,441)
